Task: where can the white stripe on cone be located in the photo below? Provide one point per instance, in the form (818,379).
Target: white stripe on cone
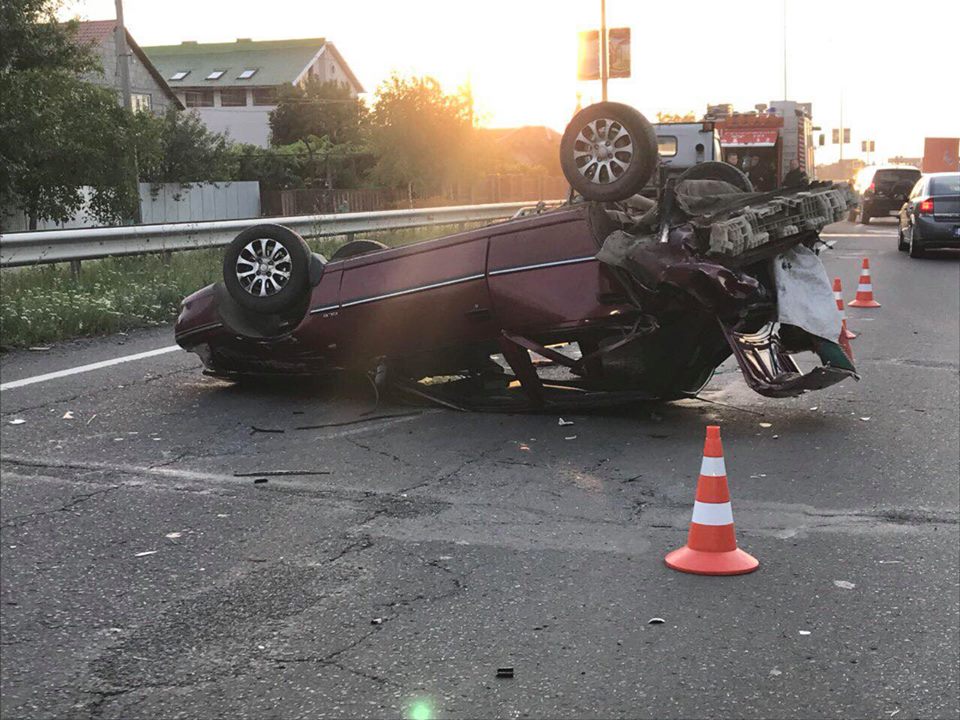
(713,467)
(865,288)
(712,513)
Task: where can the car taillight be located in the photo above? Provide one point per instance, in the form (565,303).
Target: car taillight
(925,207)
(872,187)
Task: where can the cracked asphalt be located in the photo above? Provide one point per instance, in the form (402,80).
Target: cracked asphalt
(149,572)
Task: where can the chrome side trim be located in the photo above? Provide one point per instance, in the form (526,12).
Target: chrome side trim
(409,291)
(194,331)
(328,308)
(445,283)
(555,263)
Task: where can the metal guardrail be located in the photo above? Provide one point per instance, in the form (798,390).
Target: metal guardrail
(51,246)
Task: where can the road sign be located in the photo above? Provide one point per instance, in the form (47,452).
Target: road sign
(618,44)
(618,54)
(588,55)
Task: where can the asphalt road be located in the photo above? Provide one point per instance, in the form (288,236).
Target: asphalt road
(142,578)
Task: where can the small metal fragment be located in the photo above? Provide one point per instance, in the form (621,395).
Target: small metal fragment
(656,621)
(505,672)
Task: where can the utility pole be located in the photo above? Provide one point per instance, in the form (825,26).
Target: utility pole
(784,50)
(123,65)
(841,129)
(604,70)
(123,57)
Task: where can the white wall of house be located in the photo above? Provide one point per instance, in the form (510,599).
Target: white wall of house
(247,124)
(251,123)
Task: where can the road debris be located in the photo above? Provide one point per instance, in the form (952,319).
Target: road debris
(524,447)
(39,348)
(804,632)
(68,415)
(260,480)
(368,418)
(570,437)
(776,672)
(766,424)
(255,429)
(376,621)
(656,621)
(505,673)
(776,437)
(146,552)
(173,535)
(866,419)
(91,419)
(564,423)
(17,421)
(281,473)
(846,585)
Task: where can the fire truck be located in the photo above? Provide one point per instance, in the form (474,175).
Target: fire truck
(762,142)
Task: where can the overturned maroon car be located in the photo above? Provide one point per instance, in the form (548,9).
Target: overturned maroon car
(638,287)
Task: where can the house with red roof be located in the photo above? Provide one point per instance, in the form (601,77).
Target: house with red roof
(149,90)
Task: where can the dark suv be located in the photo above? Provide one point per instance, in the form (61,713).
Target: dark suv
(883,190)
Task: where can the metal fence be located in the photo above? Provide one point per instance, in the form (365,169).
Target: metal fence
(52,246)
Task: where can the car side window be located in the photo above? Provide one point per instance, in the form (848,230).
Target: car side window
(917,189)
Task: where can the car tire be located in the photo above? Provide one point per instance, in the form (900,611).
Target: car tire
(357,247)
(718,171)
(608,170)
(286,275)
(902,245)
(916,247)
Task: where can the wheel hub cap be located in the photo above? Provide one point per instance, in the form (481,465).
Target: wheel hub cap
(603,151)
(263,267)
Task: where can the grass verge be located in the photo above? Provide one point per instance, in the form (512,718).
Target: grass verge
(44,304)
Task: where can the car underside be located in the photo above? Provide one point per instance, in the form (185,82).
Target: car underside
(611,298)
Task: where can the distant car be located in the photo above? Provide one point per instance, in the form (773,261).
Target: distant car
(883,190)
(931,215)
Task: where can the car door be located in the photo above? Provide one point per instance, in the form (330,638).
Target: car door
(544,276)
(910,206)
(417,298)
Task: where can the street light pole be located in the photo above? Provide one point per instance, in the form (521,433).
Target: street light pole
(603,49)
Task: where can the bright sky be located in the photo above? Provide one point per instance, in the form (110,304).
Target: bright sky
(890,62)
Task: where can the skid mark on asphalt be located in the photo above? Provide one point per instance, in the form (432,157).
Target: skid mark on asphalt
(86,368)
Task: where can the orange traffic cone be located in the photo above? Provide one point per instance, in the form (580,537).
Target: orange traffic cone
(864,297)
(711,547)
(838,295)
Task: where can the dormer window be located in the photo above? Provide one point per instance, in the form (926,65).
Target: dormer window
(247,74)
(179,75)
(216,75)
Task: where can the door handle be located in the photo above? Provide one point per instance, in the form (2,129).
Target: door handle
(478,313)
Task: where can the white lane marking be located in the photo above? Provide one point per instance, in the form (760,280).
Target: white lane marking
(873,235)
(713,467)
(86,368)
(712,513)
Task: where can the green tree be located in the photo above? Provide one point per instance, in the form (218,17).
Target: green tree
(178,148)
(322,109)
(422,137)
(57,132)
